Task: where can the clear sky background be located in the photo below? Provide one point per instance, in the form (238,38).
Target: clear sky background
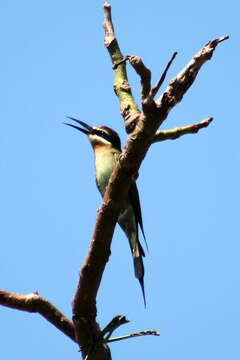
(53,63)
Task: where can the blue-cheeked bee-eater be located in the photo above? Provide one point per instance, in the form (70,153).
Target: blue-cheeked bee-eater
(107,149)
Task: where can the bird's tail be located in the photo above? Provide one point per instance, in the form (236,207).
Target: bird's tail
(129,225)
(138,254)
(139,273)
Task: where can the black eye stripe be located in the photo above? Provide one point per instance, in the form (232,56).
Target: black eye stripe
(110,135)
(101,133)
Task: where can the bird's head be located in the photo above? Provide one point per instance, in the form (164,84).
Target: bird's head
(99,136)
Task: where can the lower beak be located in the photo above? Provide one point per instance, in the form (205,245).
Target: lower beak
(88,129)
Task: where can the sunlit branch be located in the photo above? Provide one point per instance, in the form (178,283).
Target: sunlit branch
(173,134)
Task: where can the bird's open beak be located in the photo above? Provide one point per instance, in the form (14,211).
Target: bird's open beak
(88,129)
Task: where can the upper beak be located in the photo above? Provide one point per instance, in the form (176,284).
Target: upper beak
(88,129)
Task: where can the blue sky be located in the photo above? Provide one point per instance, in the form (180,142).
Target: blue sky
(54,64)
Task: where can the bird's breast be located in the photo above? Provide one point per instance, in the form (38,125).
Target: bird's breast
(105,162)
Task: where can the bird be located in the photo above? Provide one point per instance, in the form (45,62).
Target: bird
(106,145)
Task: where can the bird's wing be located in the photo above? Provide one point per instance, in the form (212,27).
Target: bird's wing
(135,202)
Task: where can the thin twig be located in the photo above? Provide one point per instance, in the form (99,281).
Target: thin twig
(141,333)
(113,325)
(173,134)
(156,88)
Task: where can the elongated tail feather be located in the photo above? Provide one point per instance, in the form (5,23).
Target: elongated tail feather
(129,220)
(139,273)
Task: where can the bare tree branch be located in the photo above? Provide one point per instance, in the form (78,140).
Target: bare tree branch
(143,134)
(143,128)
(34,303)
(128,107)
(143,72)
(179,85)
(173,134)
